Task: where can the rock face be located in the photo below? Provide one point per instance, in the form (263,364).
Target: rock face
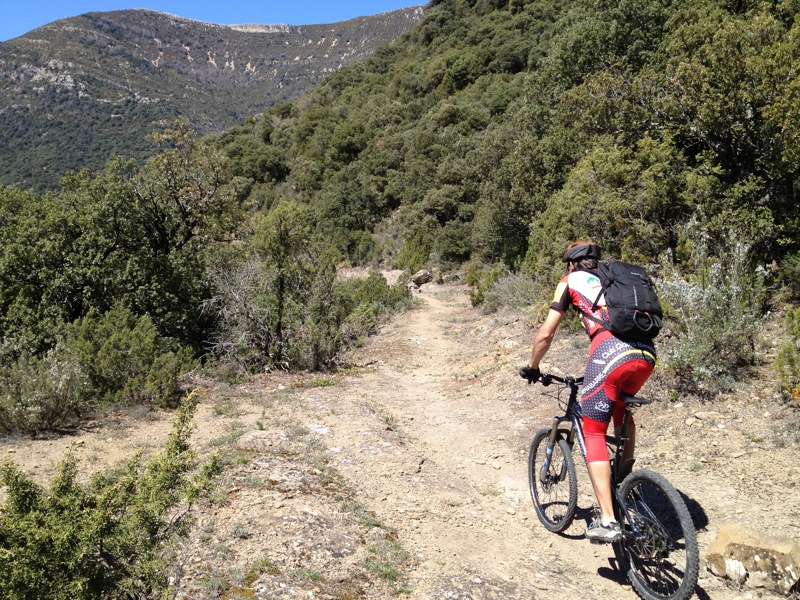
(755,560)
(72,91)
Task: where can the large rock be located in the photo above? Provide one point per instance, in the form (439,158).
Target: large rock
(421,277)
(754,560)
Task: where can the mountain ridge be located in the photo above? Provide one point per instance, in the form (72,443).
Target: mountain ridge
(99,83)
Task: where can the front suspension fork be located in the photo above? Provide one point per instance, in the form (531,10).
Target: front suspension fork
(551,444)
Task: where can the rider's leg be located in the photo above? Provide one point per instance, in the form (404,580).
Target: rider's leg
(600,476)
(613,367)
(628,378)
(599,467)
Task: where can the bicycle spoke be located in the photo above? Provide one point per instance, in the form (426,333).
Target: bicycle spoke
(553,484)
(659,540)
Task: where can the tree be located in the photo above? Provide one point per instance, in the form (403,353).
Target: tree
(148,233)
(276,307)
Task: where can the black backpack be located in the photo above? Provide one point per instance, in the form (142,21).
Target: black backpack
(634,312)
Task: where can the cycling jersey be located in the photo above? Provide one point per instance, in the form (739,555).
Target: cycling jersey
(580,289)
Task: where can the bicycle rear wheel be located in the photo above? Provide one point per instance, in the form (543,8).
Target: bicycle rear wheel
(553,483)
(659,539)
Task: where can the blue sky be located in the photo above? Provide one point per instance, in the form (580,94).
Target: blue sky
(18,17)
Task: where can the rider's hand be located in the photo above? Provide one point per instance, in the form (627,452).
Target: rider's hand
(531,374)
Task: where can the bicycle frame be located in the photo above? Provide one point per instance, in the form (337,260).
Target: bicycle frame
(652,515)
(574,415)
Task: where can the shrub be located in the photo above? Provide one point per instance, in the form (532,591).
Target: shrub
(374,291)
(244,331)
(481,278)
(515,291)
(366,301)
(161,384)
(112,538)
(45,393)
(125,358)
(115,358)
(415,252)
(790,274)
(713,315)
(787,363)
(274,318)
(295,315)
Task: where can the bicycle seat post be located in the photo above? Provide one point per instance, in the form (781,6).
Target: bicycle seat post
(623,430)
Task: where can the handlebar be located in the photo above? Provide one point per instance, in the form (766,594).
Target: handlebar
(548,378)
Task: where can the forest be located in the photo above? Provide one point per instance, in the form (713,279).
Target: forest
(481,142)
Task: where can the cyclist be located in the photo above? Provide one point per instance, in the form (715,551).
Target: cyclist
(614,366)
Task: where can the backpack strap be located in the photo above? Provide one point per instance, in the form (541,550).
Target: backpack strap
(602,291)
(604,274)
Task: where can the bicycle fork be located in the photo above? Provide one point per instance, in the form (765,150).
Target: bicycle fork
(551,444)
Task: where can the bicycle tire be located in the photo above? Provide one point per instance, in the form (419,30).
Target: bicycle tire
(662,561)
(555,498)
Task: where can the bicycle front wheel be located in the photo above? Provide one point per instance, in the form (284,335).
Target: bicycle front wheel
(553,481)
(659,539)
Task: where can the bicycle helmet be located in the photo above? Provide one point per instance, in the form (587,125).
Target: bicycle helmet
(578,251)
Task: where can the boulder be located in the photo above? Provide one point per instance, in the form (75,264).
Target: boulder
(754,560)
(421,277)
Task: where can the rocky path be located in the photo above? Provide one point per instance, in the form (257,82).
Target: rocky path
(404,475)
(449,468)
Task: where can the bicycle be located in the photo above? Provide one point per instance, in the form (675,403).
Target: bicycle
(658,548)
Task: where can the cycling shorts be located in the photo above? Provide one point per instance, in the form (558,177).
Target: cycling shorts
(614,366)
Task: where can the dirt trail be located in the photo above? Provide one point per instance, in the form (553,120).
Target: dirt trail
(452,474)
(405,475)
(444,473)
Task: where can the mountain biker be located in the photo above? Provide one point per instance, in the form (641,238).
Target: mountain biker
(613,366)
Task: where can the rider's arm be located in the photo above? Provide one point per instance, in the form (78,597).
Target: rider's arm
(544,337)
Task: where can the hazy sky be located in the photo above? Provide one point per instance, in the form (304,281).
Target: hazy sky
(18,17)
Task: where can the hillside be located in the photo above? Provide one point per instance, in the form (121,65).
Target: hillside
(404,475)
(476,145)
(77,91)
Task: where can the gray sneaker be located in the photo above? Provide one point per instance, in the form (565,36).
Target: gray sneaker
(597,532)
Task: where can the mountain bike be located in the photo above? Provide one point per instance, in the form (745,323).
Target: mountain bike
(658,548)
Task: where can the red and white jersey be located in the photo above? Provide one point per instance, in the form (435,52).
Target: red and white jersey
(580,289)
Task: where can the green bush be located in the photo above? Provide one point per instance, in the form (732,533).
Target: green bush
(125,358)
(114,358)
(787,363)
(366,301)
(39,394)
(375,291)
(111,538)
(277,308)
(480,278)
(161,384)
(513,291)
(415,252)
(364,318)
(790,275)
(282,306)
(713,316)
